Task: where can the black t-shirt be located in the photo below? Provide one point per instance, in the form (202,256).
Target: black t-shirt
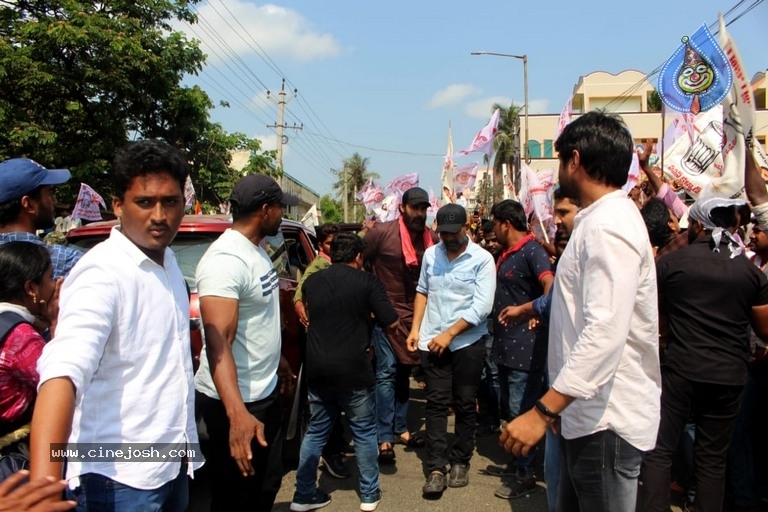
(707,298)
(340,301)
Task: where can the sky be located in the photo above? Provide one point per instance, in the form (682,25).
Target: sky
(384,78)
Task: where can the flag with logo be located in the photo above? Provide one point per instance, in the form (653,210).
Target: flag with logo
(697,77)
(371,195)
(402,183)
(464,178)
(483,141)
(189,193)
(535,198)
(87,205)
(565,117)
(434,204)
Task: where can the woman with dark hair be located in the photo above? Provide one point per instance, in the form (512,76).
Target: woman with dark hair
(29,303)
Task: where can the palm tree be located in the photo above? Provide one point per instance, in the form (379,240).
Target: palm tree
(356,172)
(504,144)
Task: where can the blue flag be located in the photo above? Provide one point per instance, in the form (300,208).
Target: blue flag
(697,76)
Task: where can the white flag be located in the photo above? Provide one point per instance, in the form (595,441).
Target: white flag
(87,205)
(483,141)
(310,219)
(565,117)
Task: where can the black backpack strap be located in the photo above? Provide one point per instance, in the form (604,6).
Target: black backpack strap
(9,320)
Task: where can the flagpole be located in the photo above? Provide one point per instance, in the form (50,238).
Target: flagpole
(663,111)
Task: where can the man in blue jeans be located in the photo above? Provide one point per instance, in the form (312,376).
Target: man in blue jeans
(523,273)
(394,251)
(603,337)
(340,302)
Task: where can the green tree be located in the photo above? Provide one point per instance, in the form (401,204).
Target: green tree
(355,172)
(79,79)
(210,157)
(487,193)
(330,209)
(654,101)
(504,143)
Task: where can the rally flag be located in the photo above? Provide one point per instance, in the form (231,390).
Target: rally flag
(402,183)
(371,195)
(715,161)
(633,177)
(464,178)
(509,187)
(189,193)
(434,204)
(311,219)
(535,198)
(697,77)
(446,177)
(198,208)
(566,115)
(483,141)
(682,124)
(87,205)
(389,209)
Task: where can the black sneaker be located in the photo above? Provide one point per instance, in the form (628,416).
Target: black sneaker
(459,475)
(505,470)
(335,466)
(435,486)
(516,488)
(317,500)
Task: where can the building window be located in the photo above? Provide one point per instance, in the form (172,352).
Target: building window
(548,151)
(534,149)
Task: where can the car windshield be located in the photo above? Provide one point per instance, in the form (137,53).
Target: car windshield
(190,247)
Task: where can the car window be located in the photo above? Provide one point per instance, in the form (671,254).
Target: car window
(189,249)
(277,249)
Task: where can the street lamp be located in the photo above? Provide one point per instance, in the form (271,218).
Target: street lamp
(524,58)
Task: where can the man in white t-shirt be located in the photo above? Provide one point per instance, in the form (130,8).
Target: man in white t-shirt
(237,383)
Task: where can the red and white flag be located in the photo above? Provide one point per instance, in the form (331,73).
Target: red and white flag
(87,205)
(483,141)
(434,204)
(403,183)
(189,193)
(566,115)
(464,178)
(371,195)
(535,198)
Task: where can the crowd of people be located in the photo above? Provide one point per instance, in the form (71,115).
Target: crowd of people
(612,342)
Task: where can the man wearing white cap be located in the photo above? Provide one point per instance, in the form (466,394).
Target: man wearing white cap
(27,205)
(709,294)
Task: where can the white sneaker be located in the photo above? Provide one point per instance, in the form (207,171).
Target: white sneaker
(370,502)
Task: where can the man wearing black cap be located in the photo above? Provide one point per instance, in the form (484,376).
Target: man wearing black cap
(27,205)
(237,383)
(453,299)
(394,251)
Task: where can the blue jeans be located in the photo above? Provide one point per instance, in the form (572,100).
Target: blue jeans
(99,493)
(392,389)
(598,472)
(324,407)
(519,391)
(490,382)
(552,468)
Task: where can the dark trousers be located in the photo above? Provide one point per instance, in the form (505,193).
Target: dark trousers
(451,378)
(713,408)
(230,490)
(598,473)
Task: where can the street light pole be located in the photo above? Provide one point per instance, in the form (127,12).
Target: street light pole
(524,58)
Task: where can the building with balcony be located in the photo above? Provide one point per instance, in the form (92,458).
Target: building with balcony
(625,94)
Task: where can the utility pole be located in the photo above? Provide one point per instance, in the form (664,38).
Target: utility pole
(280,125)
(346,201)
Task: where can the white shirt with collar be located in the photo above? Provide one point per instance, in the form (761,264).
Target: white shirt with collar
(603,335)
(123,340)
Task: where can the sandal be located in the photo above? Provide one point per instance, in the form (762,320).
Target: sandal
(413,441)
(386,455)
